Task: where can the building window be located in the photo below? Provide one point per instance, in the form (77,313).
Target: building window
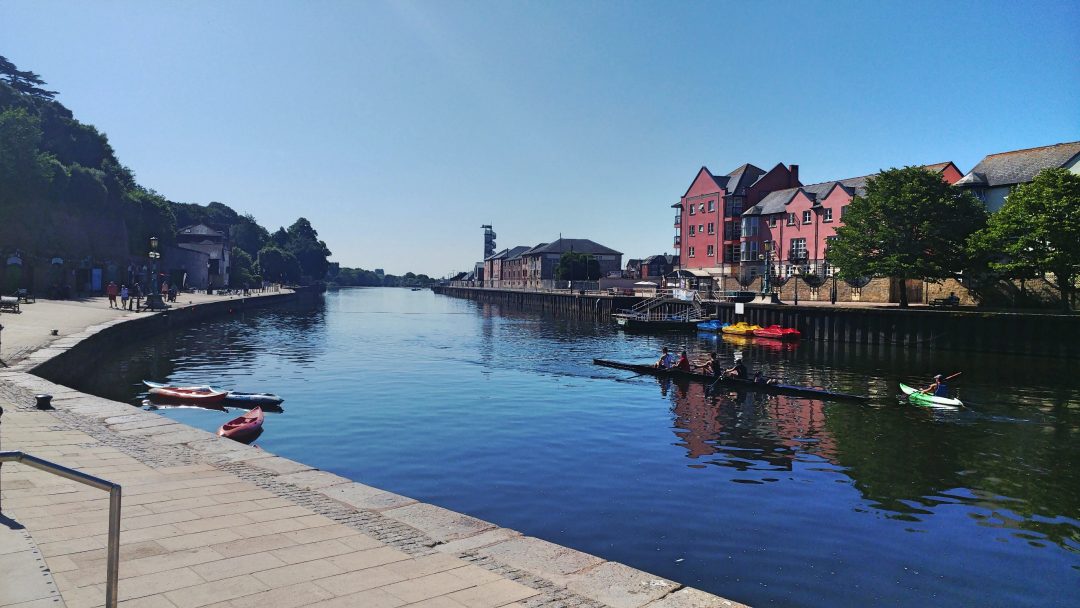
(690,251)
(712,206)
(731,252)
(709,251)
(843,210)
(692,210)
(791,219)
(798,249)
(750,226)
(772,222)
(701,228)
(701,207)
(828,216)
(807,217)
(692,228)
(712,228)
(749,251)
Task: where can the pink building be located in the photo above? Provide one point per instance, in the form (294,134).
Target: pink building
(791,227)
(708,225)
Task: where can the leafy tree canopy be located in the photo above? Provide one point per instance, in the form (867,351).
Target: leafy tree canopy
(910,224)
(1037,231)
(575,266)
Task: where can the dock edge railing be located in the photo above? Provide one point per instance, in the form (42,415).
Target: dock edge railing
(114,510)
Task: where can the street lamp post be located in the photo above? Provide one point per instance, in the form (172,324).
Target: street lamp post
(153,299)
(765,287)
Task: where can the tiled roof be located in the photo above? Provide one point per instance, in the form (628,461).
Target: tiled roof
(1019,166)
(665,258)
(777,200)
(497,256)
(575,245)
(516,252)
(743,178)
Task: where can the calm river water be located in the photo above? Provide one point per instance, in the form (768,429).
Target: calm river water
(766,500)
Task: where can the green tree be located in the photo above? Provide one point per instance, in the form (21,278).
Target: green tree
(248,235)
(910,224)
(303,242)
(278,265)
(24,169)
(574,266)
(242,271)
(1038,231)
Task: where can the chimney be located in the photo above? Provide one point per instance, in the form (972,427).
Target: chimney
(794,171)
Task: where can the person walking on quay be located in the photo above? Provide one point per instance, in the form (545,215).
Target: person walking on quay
(137,296)
(125,295)
(111,291)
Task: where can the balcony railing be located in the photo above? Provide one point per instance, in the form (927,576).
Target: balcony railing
(678,220)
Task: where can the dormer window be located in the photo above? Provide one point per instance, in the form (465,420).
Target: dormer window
(791,219)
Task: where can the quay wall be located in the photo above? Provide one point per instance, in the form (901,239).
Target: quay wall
(1052,335)
(70,363)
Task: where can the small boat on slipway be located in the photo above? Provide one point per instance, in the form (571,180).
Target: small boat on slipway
(244,427)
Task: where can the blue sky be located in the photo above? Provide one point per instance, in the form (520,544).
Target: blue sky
(398,128)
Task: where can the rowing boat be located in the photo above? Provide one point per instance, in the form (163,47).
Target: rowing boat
(194,395)
(243,427)
(920,398)
(236,398)
(777,389)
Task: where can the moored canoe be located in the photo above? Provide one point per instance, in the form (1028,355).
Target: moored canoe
(194,395)
(243,427)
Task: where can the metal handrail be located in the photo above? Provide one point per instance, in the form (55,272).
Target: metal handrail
(114,510)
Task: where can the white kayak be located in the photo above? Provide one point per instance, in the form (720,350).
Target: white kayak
(920,398)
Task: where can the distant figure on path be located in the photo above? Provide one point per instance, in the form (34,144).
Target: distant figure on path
(666,359)
(111,291)
(125,295)
(172,292)
(138,295)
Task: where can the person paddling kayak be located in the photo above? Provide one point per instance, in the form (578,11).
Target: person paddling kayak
(666,360)
(938,388)
(684,363)
(737,371)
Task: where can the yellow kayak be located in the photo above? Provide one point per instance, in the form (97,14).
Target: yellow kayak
(742,328)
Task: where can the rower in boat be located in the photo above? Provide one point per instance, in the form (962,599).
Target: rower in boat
(684,363)
(938,388)
(737,371)
(666,361)
(710,367)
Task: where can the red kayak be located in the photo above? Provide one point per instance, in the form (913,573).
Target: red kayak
(243,427)
(190,394)
(777,333)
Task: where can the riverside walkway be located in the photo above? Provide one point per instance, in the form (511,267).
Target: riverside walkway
(210,522)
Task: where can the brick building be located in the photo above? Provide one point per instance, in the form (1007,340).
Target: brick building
(796,224)
(708,226)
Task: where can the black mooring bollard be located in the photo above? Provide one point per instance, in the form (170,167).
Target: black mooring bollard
(44,401)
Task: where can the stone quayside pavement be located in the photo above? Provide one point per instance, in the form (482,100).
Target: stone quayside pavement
(210,522)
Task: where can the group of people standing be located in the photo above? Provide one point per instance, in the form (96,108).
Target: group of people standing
(128,297)
(133,297)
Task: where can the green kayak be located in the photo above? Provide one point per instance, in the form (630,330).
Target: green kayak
(928,400)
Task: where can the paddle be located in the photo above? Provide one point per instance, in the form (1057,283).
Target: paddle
(925,390)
